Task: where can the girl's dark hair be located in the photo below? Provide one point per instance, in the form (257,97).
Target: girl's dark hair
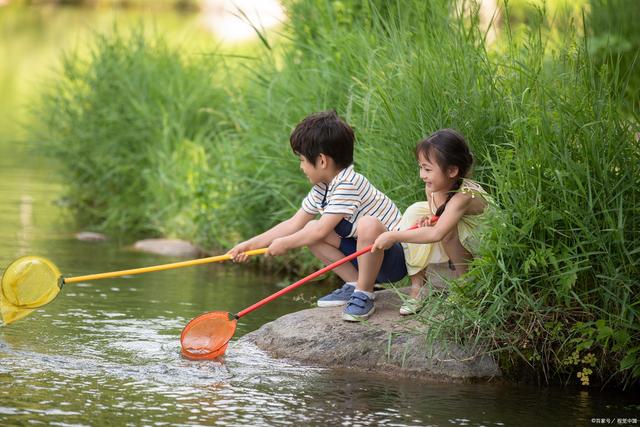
(324,133)
(447,148)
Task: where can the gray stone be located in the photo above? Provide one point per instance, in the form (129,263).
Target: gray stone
(168,247)
(387,343)
(90,236)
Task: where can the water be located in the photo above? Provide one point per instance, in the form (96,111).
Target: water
(107,353)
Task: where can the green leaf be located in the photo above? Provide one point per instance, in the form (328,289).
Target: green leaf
(629,360)
(604,333)
(621,338)
(584,345)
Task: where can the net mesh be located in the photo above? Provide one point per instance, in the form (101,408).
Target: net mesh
(206,336)
(28,283)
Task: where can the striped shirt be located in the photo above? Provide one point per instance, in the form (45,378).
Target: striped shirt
(351,195)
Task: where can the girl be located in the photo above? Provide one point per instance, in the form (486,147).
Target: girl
(445,161)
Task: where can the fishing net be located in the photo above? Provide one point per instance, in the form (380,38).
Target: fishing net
(27,283)
(207,336)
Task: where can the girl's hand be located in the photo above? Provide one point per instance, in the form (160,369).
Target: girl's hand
(384,241)
(278,247)
(427,221)
(423,222)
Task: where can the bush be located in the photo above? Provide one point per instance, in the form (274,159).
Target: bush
(127,124)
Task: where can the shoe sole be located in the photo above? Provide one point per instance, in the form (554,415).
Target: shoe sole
(324,304)
(331,303)
(354,318)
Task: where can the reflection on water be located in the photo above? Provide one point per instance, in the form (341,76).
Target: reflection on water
(24,234)
(108,352)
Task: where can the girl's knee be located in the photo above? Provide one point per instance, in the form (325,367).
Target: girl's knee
(418,208)
(414,213)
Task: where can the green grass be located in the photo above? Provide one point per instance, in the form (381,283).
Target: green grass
(154,141)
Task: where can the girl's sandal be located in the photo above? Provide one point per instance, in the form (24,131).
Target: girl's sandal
(410,306)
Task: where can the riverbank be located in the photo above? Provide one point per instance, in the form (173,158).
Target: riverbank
(385,344)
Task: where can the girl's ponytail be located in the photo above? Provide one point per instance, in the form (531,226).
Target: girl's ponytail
(453,191)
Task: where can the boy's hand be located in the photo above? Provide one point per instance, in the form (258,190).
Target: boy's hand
(278,247)
(384,241)
(238,252)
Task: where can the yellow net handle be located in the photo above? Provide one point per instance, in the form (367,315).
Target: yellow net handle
(161,267)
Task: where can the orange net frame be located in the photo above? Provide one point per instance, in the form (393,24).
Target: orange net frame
(207,336)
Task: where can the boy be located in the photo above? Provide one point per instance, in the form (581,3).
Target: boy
(352,212)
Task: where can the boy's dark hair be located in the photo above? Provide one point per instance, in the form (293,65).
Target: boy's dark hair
(324,133)
(447,148)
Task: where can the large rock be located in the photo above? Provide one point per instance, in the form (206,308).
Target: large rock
(90,236)
(386,343)
(168,247)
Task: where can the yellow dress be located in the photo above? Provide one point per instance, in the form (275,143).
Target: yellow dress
(419,255)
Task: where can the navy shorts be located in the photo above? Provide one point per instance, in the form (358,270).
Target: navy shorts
(393,265)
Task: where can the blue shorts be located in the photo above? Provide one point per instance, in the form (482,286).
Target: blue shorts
(393,265)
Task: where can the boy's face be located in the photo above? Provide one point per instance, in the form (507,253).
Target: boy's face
(434,177)
(310,170)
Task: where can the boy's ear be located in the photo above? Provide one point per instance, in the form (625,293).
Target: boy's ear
(453,171)
(322,161)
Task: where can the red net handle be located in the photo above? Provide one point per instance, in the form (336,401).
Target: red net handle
(313,276)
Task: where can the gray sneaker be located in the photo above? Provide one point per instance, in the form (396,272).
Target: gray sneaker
(338,297)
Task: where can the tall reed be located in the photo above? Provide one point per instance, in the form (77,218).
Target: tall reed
(126,123)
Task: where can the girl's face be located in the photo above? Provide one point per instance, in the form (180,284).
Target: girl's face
(436,179)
